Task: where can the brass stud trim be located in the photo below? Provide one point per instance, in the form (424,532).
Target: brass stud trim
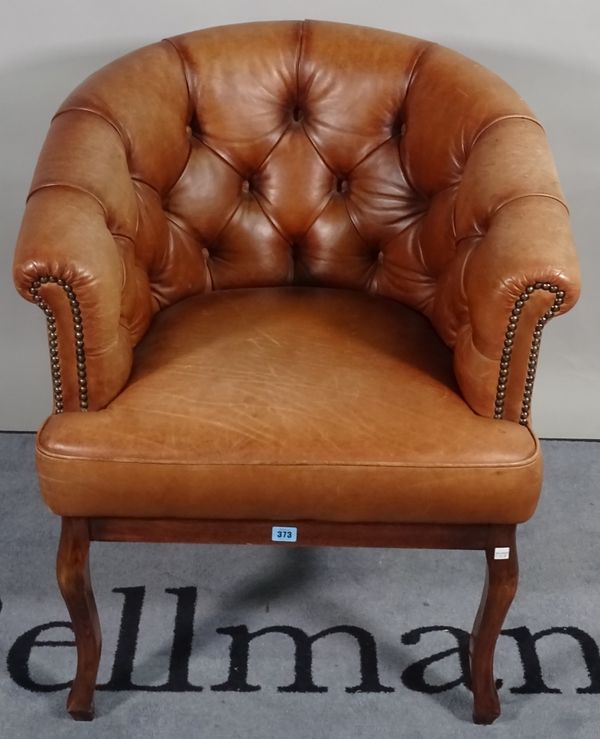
(509,337)
(53,343)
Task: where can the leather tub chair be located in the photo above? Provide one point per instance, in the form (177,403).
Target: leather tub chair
(295,276)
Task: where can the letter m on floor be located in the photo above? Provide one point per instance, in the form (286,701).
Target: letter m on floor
(303,659)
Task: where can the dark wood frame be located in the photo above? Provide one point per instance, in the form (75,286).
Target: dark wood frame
(498,592)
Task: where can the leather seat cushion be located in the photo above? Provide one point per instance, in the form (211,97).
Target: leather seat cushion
(290,404)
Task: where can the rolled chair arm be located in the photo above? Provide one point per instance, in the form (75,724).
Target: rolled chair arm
(521,275)
(76,258)
(68,262)
(514,268)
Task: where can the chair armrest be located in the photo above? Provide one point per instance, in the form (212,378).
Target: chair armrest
(76,258)
(69,263)
(514,267)
(522,274)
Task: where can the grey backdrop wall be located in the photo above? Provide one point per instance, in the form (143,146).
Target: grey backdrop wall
(547,49)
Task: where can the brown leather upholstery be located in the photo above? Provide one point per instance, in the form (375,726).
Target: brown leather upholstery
(322,156)
(290,403)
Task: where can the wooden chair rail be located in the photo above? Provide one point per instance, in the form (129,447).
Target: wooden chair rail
(310,533)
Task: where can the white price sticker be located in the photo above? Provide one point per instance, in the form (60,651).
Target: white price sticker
(501,552)
(284,533)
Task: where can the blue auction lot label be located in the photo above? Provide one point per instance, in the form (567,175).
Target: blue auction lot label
(284,533)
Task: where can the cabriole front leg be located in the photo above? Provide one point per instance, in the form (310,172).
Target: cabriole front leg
(73,574)
(498,593)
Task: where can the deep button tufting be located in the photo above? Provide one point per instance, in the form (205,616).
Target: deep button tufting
(315,153)
(373,253)
(398,128)
(295,251)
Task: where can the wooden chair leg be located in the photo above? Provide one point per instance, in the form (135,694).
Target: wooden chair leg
(498,593)
(73,573)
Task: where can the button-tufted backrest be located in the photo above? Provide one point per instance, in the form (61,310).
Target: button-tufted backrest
(295,152)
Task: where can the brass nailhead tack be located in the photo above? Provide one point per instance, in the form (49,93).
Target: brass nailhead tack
(53,340)
(533,352)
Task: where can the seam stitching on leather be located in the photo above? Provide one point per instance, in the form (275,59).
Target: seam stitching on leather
(271,149)
(117,235)
(369,153)
(529,195)
(481,234)
(461,283)
(421,255)
(319,212)
(186,76)
(527,462)
(221,231)
(408,180)
(137,178)
(507,117)
(478,350)
(453,218)
(190,109)
(354,226)
(418,57)
(185,166)
(70,186)
(181,227)
(221,156)
(319,154)
(413,222)
(83,109)
(257,198)
(474,235)
(298,58)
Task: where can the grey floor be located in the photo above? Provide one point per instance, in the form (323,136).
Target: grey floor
(413,604)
